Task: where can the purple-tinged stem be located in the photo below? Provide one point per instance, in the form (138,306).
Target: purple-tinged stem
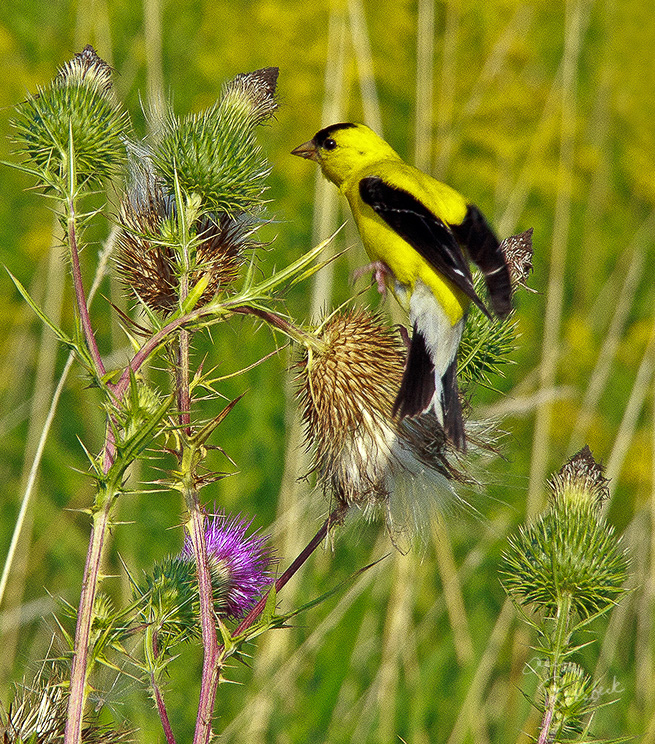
(154,341)
(151,639)
(210,663)
(83,309)
(210,666)
(163,714)
(78,692)
(80,296)
(334,518)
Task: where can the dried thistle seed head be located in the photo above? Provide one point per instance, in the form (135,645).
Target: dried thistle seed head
(147,262)
(220,252)
(581,479)
(403,471)
(518,253)
(348,384)
(38,714)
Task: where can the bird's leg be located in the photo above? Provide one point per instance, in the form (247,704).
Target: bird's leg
(380,272)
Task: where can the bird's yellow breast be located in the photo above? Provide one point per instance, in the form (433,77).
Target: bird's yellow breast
(382,243)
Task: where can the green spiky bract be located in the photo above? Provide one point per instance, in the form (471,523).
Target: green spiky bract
(76,109)
(214,153)
(485,347)
(570,551)
(169,601)
(569,567)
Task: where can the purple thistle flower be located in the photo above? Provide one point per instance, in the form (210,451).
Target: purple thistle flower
(239,564)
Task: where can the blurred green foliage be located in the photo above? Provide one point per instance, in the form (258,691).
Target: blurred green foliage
(392,658)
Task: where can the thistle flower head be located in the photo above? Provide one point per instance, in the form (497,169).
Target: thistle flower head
(518,254)
(239,563)
(86,68)
(581,479)
(76,110)
(149,264)
(569,552)
(363,456)
(214,153)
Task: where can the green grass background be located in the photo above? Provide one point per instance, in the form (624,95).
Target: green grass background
(542,113)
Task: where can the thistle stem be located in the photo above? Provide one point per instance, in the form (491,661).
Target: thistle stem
(151,655)
(182,381)
(210,664)
(80,295)
(163,714)
(560,640)
(85,614)
(196,523)
(335,517)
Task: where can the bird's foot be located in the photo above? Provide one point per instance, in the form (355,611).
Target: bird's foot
(380,272)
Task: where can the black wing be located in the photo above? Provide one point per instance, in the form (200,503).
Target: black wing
(485,252)
(423,230)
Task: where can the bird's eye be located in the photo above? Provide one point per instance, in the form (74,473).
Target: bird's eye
(329,144)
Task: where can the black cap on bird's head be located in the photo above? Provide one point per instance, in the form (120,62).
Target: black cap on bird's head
(321,140)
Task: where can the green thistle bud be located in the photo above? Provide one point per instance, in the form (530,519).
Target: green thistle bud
(348,383)
(214,153)
(135,412)
(573,690)
(170,603)
(569,552)
(77,107)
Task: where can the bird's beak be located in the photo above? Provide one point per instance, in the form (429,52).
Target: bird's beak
(306,150)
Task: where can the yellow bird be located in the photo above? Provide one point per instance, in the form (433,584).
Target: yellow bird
(419,233)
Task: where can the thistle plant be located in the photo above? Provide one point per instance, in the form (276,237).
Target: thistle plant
(38,715)
(569,568)
(192,202)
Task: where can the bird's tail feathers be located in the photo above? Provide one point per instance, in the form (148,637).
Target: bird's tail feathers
(417,388)
(453,421)
(430,376)
(422,386)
